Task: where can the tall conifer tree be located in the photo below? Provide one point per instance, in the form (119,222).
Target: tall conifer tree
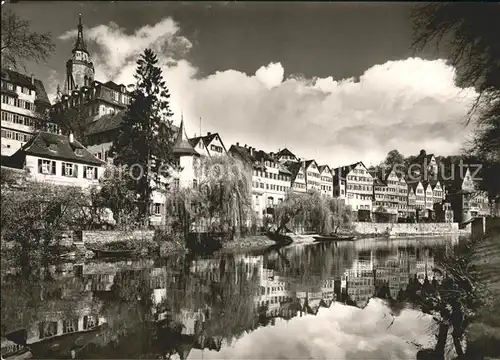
(145,140)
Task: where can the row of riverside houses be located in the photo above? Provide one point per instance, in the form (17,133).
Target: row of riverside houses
(61,159)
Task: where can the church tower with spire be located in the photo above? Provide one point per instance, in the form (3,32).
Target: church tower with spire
(79,68)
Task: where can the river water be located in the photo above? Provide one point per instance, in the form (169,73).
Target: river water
(312,301)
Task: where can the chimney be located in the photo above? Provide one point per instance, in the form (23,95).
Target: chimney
(71,138)
(209,133)
(32,80)
(251,151)
(238,144)
(245,146)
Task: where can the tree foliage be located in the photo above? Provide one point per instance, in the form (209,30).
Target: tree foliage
(20,44)
(470,31)
(145,138)
(34,214)
(71,121)
(313,212)
(115,195)
(221,201)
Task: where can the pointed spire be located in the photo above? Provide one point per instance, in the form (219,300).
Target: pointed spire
(80,43)
(182,146)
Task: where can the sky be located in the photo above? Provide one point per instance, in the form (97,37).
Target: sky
(336,82)
(339,332)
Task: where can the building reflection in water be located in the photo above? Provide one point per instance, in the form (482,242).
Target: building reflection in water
(155,308)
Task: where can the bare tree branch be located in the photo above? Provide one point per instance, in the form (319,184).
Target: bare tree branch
(20,44)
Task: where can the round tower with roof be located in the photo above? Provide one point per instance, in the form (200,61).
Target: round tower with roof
(186,154)
(79,68)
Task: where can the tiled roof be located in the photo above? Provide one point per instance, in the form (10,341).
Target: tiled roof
(207,139)
(309,162)
(344,170)
(256,158)
(105,123)
(110,122)
(114,86)
(293,167)
(285,152)
(61,149)
(323,167)
(25,81)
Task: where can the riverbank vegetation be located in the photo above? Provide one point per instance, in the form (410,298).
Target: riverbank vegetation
(312,212)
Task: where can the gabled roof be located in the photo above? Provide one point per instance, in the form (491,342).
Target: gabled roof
(25,81)
(293,167)
(285,152)
(308,163)
(182,146)
(256,158)
(61,149)
(207,139)
(344,170)
(423,156)
(322,168)
(413,184)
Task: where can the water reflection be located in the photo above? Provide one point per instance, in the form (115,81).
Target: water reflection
(165,308)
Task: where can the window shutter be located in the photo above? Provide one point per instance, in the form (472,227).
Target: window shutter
(75,173)
(53,167)
(85,172)
(39,165)
(63,167)
(96,173)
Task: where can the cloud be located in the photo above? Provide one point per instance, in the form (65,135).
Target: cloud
(407,104)
(339,332)
(271,75)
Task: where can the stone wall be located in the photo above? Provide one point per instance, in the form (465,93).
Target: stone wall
(367,228)
(103,237)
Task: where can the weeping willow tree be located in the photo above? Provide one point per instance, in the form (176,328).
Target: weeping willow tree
(342,215)
(312,211)
(221,202)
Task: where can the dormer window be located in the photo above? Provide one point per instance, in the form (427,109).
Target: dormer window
(53,147)
(79,152)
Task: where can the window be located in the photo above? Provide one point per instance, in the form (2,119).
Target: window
(67,169)
(90,322)
(216,148)
(195,184)
(176,183)
(47,329)
(90,172)
(116,96)
(70,326)
(46,167)
(157,209)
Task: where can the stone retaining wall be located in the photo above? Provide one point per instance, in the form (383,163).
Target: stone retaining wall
(367,228)
(105,236)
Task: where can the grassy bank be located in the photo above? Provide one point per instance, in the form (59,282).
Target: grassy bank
(484,332)
(248,242)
